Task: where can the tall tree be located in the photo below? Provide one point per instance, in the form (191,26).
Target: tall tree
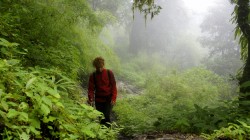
(243,30)
(165,36)
(217,29)
(149,36)
(242,18)
(117,8)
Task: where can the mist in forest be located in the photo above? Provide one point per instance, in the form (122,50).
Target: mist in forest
(177,71)
(186,33)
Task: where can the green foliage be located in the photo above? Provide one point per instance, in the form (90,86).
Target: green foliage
(133,67)
(151,8)
(238,32)
(224,51)
(39,95)
(207,119)
(168,102)
(56,34)
(133,120)
(239,131)
(35,103)
(229,121)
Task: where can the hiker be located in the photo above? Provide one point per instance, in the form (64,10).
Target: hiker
(102,89)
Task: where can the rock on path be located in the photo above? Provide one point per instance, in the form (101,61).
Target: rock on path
(126,87)
(177,136)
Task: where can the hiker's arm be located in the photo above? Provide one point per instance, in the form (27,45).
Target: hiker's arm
(91,88)
(113,88)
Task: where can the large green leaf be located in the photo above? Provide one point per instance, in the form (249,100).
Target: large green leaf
(23,117)
(246,84)
(3,115)
(59,104)
(73,137)
(13,62)
(244,124)
(29,93)
(33,130)
(45,109)
(35,123)
(12,113)
(4,42)
(24,136)
(12,103)
(54,93)
(23,106)
(89,133)
(29,83)
(49,119)
(47,101)
(4,105)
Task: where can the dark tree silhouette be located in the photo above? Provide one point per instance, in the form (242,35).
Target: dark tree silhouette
(243,22)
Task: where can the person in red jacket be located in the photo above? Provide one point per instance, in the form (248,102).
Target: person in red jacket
(102,89)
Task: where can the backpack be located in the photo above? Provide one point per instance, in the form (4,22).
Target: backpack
(109,76)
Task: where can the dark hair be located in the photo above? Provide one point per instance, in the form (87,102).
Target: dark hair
(98,62)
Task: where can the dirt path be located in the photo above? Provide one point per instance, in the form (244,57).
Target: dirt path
(176,136)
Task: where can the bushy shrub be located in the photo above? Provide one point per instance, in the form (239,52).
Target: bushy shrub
(239,131)
(56,34)
(35,103)
(168,101)
(39,92)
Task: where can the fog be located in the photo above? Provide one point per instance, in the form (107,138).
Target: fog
(186,33)
(197,10)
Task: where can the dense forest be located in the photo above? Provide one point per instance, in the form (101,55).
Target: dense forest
(175,73)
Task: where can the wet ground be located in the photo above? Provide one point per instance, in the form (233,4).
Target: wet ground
(176,136)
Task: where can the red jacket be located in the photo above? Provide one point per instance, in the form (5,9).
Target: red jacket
(105,88)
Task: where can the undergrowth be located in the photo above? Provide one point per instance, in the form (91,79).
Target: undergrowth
(35,103)
(191,102)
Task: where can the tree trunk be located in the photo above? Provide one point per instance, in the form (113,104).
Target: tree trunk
(242,20)
(94,4)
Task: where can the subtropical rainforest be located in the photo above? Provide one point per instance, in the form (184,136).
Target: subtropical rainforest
(178,72)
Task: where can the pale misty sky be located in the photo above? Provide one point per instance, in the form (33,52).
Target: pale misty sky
(197,10)
(199,6)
